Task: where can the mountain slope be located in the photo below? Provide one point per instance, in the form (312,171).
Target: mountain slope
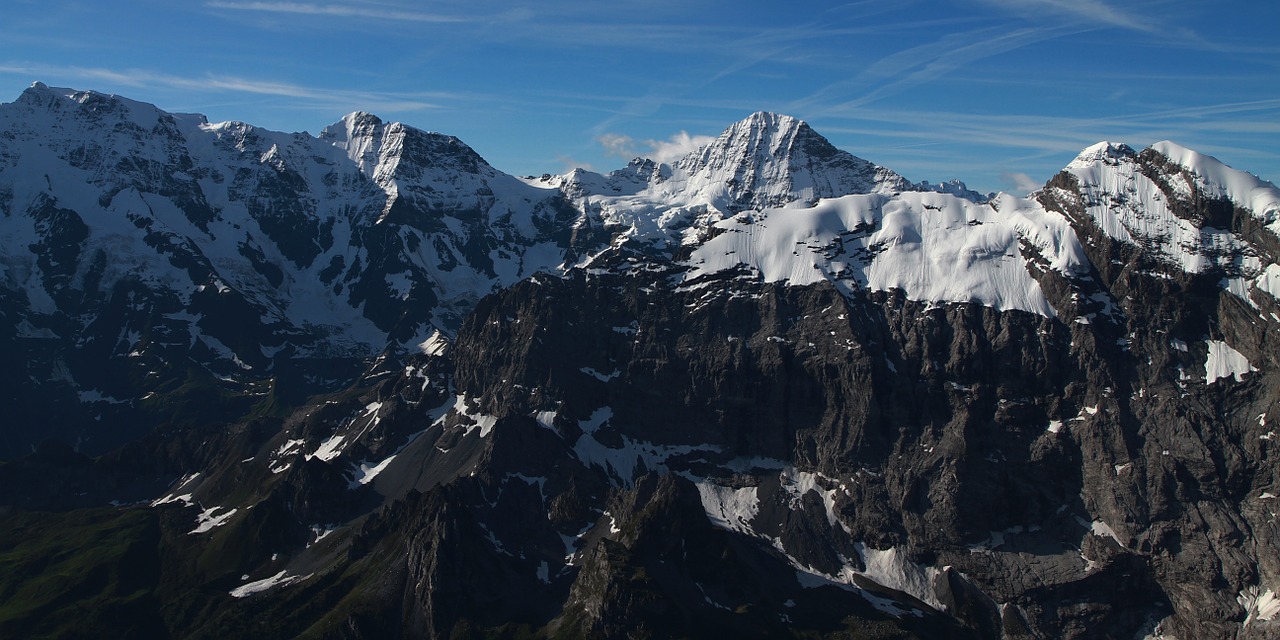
(147,242)
(769,389)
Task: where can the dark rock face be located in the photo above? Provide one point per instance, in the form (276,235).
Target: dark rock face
(618,449)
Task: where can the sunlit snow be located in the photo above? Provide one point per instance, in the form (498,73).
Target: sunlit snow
(210,519)
(934,247)
(1225,362)
(729,507)
(281,579)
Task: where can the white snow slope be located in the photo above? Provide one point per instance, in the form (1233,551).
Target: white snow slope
(932,246)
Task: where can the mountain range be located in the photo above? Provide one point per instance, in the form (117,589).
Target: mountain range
(365,385)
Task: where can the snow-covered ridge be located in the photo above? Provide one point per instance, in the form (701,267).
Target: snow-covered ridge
(1128,204)
(290,222)
(372,217)
(934,247)
(1217,180)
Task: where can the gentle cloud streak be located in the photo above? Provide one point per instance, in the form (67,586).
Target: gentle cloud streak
(333,10)
(1089,11)
(142,78)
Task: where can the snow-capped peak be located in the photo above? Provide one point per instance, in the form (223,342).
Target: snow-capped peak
(90,105)
(353,125)
(772,160)
(359,134)
(1107,152)
(774,132)
(762,138)
(1150,199)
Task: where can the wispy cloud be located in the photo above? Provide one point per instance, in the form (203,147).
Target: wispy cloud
(1096,12)
(219,83)
(912,67)
(1043,135)
(341,11)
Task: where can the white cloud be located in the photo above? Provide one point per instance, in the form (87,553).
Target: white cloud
(678,146)
(617,145)
(669,150)
(1019,184)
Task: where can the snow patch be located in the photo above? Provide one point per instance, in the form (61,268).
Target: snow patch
(435,345)
(329,449)
(1260,605)
(1102,530)
(1225,362)
(798,483)
(207,520)
(290,446)
(185,499)
(365,472)
(321,531)
(1269,281)
(891,568)
(729,508)
(281,579)
(602,377)
(624,462)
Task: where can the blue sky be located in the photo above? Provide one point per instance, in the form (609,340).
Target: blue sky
(999,93)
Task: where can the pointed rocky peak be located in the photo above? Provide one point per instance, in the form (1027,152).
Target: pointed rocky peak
(761,136)
(774,160)
(41,96)
(1106,168)
(763,127)
(638,174)
(382,148)
(357,124)
(40,92)
(360,134)
(428,148)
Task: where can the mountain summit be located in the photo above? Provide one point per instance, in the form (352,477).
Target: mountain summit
(771,160)
(366,385)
